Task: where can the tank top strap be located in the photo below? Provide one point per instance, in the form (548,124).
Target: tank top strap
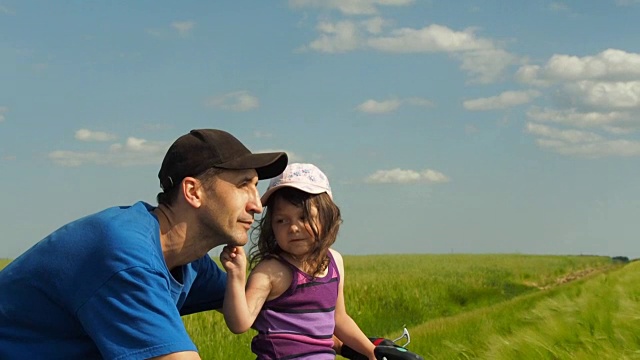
(333,267)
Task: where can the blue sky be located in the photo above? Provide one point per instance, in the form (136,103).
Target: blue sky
(465,127)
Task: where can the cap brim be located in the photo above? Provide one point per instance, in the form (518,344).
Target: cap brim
(265,196)
(267,165)
(310,189)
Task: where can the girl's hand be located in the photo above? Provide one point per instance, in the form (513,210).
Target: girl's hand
(234,259)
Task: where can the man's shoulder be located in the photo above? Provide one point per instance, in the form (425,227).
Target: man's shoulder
(117,219)
(121,236)
(139,209)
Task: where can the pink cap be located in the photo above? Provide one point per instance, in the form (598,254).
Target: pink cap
(305,177)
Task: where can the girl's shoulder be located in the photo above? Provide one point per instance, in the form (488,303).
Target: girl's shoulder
(277,273)
(338,260)
(271,264)
(336,255)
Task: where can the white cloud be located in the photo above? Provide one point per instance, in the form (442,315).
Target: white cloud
(3,110)
(336,37)
(504,100)
(234,101)
(608,65)
(486,65)
(385,106)
(573,117)
(606,95)
(262,134)
(530,74)
(183,27)
(134,151)
(433,38)
(6,10)
(88,135)
(137,145)
(293,157)
(482,58)
(593,149)
(74,159)
(600,91)
(581,143)
(557,6)
(617,130)
(349,7)
(571,136)
(375,25)
(627,2)
(378,107)
(400,176)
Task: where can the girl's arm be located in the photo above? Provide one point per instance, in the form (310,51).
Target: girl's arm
(346,329)
(241,307)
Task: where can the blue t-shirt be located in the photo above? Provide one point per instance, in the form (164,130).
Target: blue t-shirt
(99,288)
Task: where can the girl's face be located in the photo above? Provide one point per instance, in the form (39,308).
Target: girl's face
(292,230)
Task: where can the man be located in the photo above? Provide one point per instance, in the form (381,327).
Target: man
(114,284)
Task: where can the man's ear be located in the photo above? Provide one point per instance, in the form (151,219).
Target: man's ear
(192,191)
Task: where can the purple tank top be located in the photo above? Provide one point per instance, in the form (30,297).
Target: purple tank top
(299,323)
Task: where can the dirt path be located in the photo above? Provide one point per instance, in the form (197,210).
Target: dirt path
(571,277)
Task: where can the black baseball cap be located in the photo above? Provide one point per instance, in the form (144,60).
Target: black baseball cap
(202,149)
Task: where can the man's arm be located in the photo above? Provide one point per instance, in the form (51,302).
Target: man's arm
(133,313)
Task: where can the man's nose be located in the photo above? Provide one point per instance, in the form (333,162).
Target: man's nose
(254,205)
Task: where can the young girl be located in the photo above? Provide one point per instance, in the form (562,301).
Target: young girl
(294,294)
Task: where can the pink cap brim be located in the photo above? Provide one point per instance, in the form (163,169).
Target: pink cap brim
(308,188)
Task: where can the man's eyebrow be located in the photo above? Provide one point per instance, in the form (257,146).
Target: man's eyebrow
(248,178)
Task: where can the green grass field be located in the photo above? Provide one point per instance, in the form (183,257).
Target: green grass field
(478,307)
(428,293)
(3,263)
(597,317)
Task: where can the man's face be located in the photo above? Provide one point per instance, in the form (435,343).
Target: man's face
(229,207)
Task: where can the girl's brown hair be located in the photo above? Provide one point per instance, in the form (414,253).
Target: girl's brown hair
(325,229)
